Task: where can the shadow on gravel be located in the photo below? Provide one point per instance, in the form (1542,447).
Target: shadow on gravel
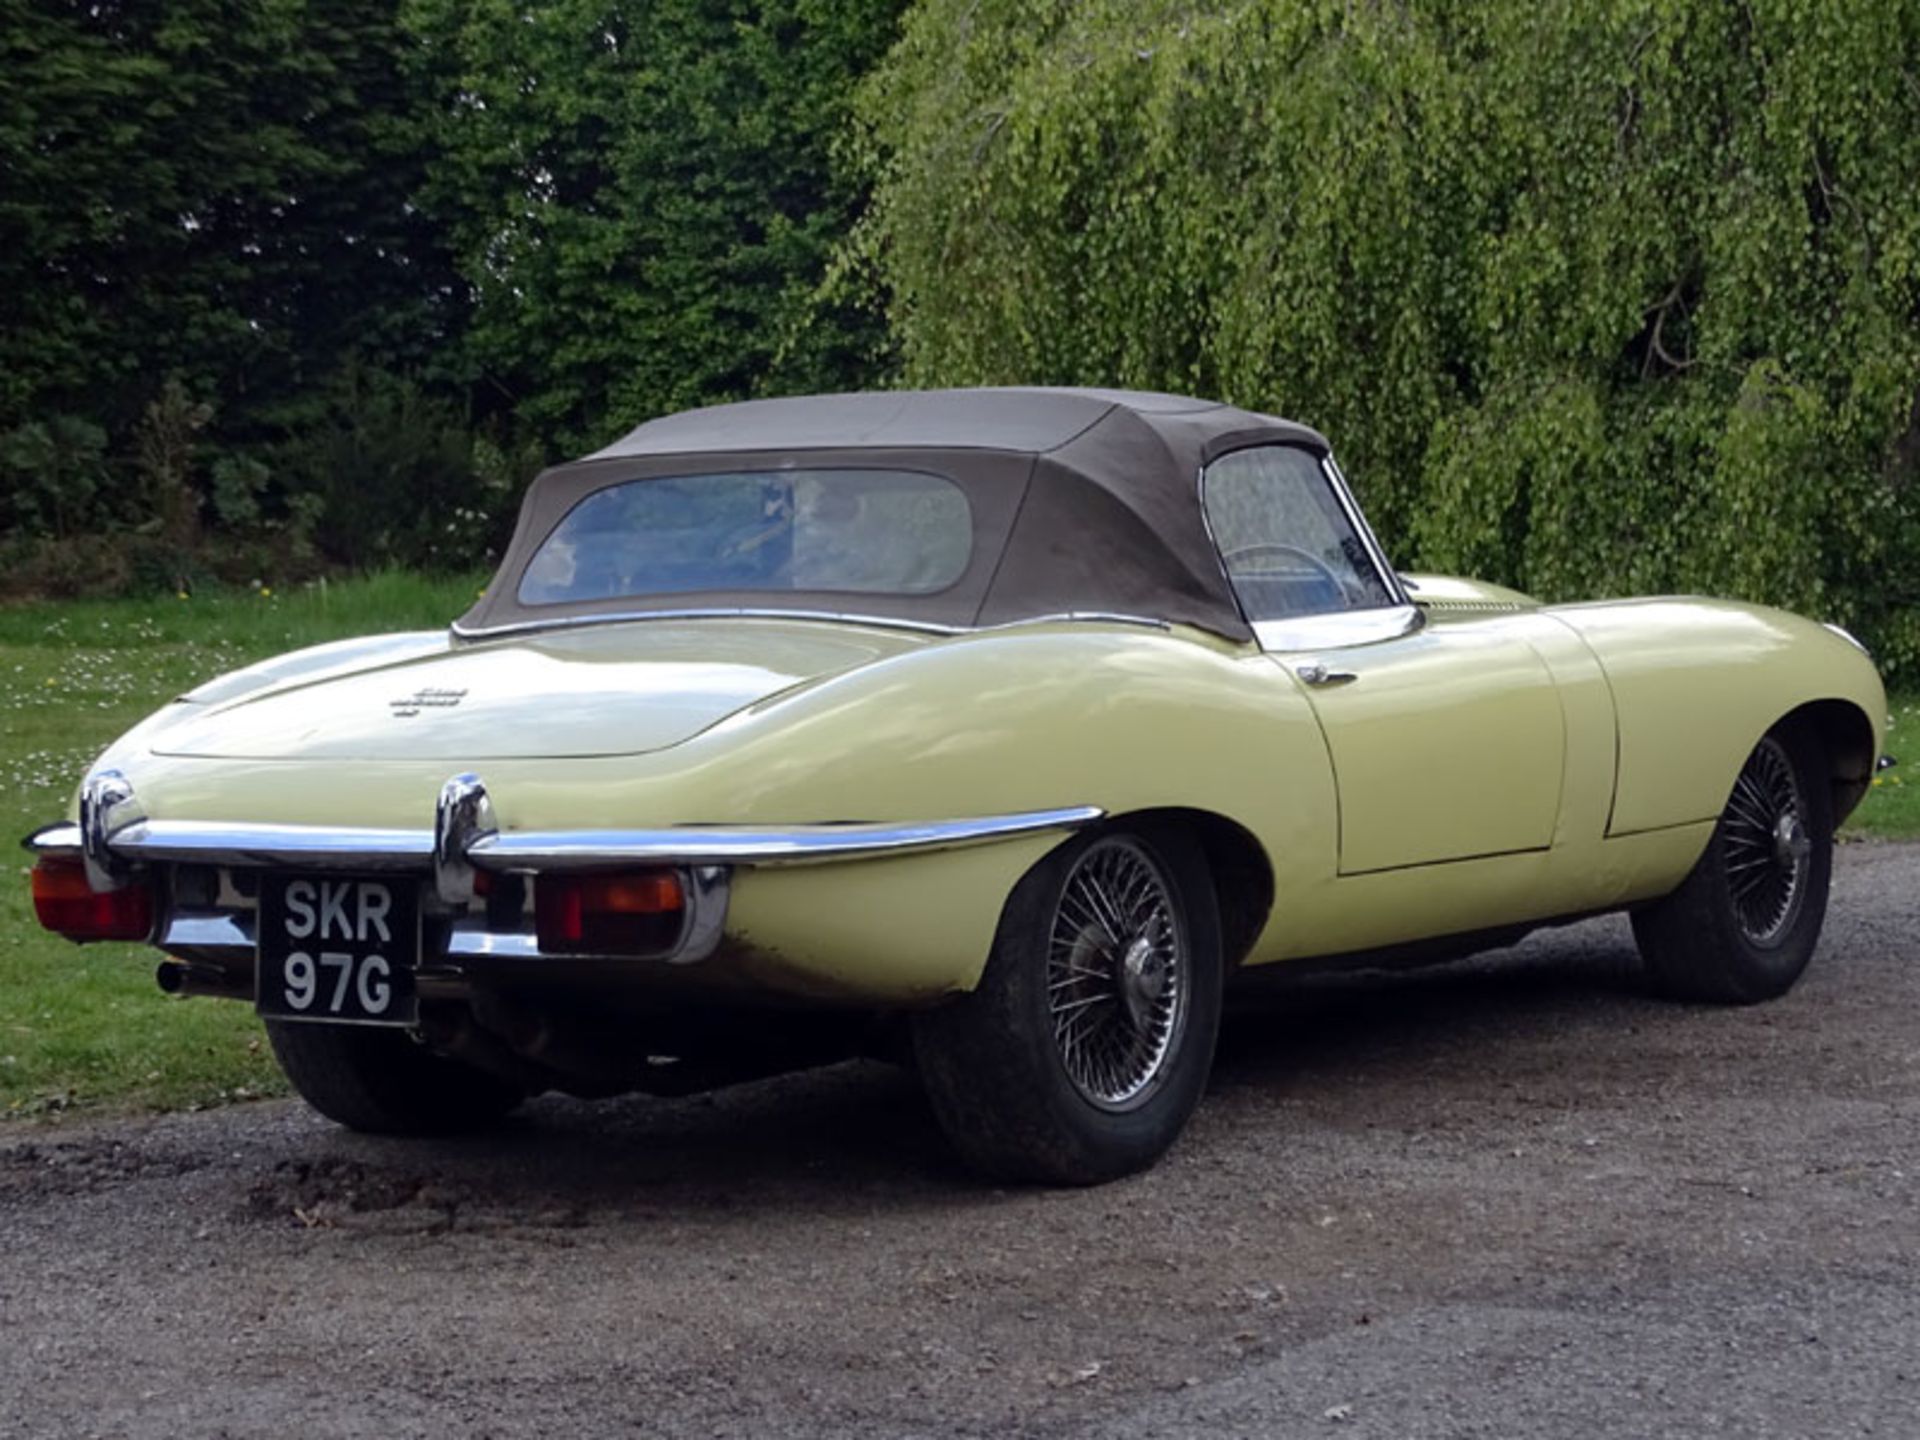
(1354,1028)
(838,1141)
(829,1140)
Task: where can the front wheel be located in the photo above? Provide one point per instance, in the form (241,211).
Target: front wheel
(1743,924)
(384,1082)
(1086,1045)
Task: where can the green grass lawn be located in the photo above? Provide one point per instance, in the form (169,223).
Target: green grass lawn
(1891,810)
(87,1026)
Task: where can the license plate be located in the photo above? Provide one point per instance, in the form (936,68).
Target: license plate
(339,949)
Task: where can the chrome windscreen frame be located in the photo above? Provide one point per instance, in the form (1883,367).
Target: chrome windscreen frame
(115,839)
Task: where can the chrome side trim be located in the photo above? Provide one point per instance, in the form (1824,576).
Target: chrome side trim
(1848,636)
(924,627)
(548,850)
(610,617)
(1075,617)
(323,847)
(1338,629)
(61,839)
(327,847)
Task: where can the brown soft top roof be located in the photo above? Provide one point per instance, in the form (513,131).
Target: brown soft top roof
(1084,500)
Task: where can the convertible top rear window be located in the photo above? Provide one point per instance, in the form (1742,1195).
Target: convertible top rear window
(885,532)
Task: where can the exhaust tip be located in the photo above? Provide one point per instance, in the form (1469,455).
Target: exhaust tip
(177,978)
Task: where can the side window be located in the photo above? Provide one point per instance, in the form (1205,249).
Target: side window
(1288,546)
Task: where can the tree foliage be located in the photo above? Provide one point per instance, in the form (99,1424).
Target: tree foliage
(643,200)
(208,192)
(386,256)
(1597,297)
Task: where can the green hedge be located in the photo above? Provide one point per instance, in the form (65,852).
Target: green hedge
(301,284)
(1596,298)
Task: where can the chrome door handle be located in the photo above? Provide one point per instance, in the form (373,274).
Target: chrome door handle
(1321,675)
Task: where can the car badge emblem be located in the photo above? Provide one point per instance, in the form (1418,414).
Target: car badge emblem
(427,698)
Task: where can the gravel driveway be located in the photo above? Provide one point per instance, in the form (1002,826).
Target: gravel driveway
(1506,1199)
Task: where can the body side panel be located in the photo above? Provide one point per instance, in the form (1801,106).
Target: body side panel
(1391,907)
(1448,744)
(1581,870)
(1696,684)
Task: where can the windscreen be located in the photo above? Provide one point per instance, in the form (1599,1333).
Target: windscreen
(858,531)
(1288,546)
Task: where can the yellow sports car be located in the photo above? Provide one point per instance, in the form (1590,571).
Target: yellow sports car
(997,728)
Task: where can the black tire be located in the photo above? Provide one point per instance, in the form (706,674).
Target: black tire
(384,1082)
(1743,924)
(1139,1017)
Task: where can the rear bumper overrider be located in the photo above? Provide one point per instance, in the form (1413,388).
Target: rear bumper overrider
(116,840)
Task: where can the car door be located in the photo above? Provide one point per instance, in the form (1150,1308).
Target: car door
(1447,742)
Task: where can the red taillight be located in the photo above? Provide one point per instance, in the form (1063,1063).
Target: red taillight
(66,904)
(631,914)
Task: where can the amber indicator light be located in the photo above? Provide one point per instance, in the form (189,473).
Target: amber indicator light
(636,913)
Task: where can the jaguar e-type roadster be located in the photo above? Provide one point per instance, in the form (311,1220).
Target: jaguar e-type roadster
(994,730)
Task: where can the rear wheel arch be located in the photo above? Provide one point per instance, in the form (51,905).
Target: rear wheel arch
(1011,1087)
(1243,883)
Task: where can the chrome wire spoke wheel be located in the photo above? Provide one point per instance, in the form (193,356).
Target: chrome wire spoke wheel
(1119,971)
(1768,844)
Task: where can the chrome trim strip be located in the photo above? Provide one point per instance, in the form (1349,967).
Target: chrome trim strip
(925,627)
(550,850)
(1848,636)
(1337,629)
(324,847)
(61,838)
(609,617)
(328,847)
(1076,617)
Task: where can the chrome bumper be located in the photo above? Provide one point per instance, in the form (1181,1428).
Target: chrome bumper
(114,837)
